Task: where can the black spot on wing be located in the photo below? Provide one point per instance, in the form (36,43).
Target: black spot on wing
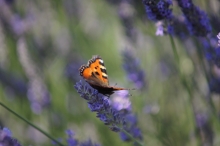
(103,70)
(97,73)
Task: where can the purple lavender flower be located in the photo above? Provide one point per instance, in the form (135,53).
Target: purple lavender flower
(212,51)
(131,127)
(218,36)
(197,20)
(132,68)
(71,141)
(6,138)
(100,104)
(18,86)
(214,85)
(122,103)
(72,70)
(158,9)
(126,15)
(177,27)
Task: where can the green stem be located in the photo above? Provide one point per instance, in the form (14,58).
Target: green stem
(210,101)
(183,78)
(129,135)
(34,126)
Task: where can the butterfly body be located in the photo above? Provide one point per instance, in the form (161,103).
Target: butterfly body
(96,75)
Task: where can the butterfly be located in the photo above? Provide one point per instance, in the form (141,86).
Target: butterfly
(96,75)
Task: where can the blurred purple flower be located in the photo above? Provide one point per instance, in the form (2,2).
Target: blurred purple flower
(214,85)
(37,93)
(197,20)
(218,36)
(131,127)
(6,138)
(121,101)
(126,15)
(71,141)
(38,96)
(211,50)
(72,70)
(132,67)
(122,104)
(9,1)
(16,85)
(100,104)
(160,29)
(158,10)
(177,27)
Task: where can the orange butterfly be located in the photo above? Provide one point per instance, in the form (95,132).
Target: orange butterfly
(96,75)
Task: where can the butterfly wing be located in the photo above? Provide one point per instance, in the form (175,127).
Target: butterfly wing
(95,72)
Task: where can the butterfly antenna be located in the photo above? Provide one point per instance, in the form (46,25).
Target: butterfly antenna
(131,89)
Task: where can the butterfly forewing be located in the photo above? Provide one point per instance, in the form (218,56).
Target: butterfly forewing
(95,72)
(99,70)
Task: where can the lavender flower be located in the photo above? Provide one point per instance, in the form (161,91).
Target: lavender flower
(72,70)
(70,140)
(158,10)
(212,53)
(126,14)
(218,36)
(214,85)
(131,127)
(37,93)
(122,103)
(160,29)
(177,27)
(6,138)
(132,68)
(100,104)
(197,20)
(18,86)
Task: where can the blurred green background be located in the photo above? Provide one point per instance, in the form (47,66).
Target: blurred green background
(42,45)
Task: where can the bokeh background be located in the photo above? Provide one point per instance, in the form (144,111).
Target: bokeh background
(43,43)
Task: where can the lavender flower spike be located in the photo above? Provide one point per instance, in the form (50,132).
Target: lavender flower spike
(158,10)
(196,19)
(122,103)
(134,71)
(6,138)
(218,36)
(100,104)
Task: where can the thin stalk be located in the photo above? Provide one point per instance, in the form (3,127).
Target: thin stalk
(34,126)
(183,78)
